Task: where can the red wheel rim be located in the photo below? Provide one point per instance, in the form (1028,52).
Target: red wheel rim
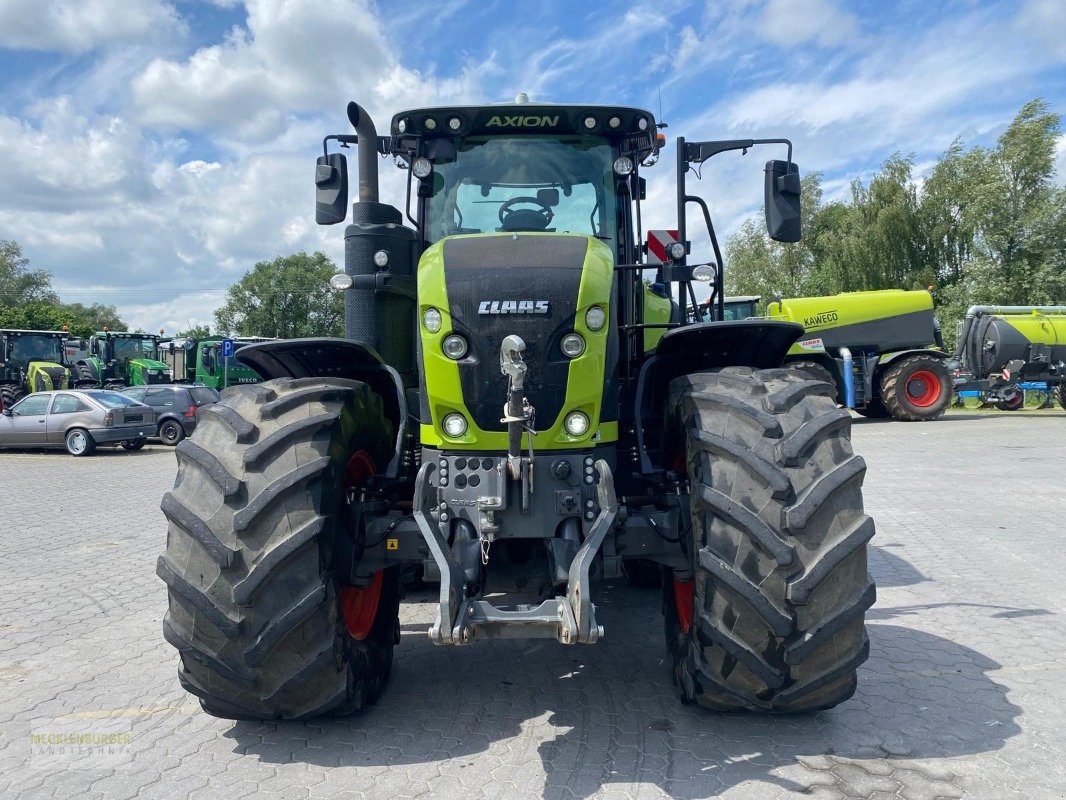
(359,605)
(683,592)
(923,388)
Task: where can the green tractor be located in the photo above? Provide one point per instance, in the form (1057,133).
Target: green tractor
(115,360)
(496,411)
(30,361)
(201,361)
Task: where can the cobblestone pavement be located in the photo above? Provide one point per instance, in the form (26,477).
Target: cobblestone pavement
(962,696)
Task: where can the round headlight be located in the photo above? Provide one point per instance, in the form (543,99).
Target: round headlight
(623,165)
(454,425)
(381,258)
(590,122)
(431,124)
(431,319)
(455,123)
(642,123)
(454,346)
(704,272)
(576,423)
(422,167)
(401,126)
(340,282)
(595,317)
(614,122)
(572,345)
(676,251)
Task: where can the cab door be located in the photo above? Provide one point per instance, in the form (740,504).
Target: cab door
(27,423)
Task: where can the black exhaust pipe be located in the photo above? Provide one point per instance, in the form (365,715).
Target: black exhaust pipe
(367,154)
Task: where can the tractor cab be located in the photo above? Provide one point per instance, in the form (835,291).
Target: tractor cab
(31,361)
(116,359)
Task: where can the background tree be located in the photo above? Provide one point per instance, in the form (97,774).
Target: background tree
(195,332)
(18,284)
(288,297)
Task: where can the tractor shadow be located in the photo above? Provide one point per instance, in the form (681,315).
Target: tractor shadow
(525,719)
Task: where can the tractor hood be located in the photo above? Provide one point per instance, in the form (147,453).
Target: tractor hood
(538,287)
(151,371)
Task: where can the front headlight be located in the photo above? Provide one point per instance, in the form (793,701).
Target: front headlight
(576,423)
(454,346)
(572,345)
(595,318)
(432,320)
(454,425)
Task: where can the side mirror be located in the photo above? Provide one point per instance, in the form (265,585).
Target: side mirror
(331,189)
(6,412)
(782,201)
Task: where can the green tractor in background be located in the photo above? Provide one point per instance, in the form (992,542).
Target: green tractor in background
(512,407)
(115,360)
(31,361)
(201,361)
(883,350)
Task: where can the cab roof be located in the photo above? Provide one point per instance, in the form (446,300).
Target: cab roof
(525,118)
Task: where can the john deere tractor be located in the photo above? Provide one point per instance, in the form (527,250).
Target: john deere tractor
(497,416)
(115,360)
(30,361)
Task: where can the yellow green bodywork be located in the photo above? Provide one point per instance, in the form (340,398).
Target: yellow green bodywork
(826,318)
(657,310)
(1037,327)
(584,388)
(39,379)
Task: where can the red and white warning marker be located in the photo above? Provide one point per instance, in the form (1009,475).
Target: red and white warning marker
(658,242)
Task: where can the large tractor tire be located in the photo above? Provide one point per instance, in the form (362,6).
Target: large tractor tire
(9,395)
(773,620)
(1060,393)
(916,388)
(85,377)
(818,372)
(263,625)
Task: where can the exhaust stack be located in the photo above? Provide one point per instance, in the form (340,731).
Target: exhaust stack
(367,152)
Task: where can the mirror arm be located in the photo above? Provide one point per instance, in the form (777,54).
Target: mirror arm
(345,139)
(698,152)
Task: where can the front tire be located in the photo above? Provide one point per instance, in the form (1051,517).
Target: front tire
(255,606)
(916,388)
(774,617)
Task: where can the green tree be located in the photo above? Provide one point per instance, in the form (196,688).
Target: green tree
(18,284)
(195,332)
(288,297)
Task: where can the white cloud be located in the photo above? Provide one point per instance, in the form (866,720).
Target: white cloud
(793,22)
(1045,21)
(294,57)
(75,26)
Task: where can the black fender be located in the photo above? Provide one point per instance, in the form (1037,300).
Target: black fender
(336,358)
(888,358)
(756,343)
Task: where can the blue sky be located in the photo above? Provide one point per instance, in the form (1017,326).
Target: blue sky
(150,147)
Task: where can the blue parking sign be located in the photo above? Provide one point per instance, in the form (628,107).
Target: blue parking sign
(227,348)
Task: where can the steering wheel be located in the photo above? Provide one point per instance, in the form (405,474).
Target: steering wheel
(536,219)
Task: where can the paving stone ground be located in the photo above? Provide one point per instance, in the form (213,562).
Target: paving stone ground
(963,695)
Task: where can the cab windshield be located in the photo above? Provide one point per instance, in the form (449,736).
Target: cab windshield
(28,348)
(130,348)
(525,183)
